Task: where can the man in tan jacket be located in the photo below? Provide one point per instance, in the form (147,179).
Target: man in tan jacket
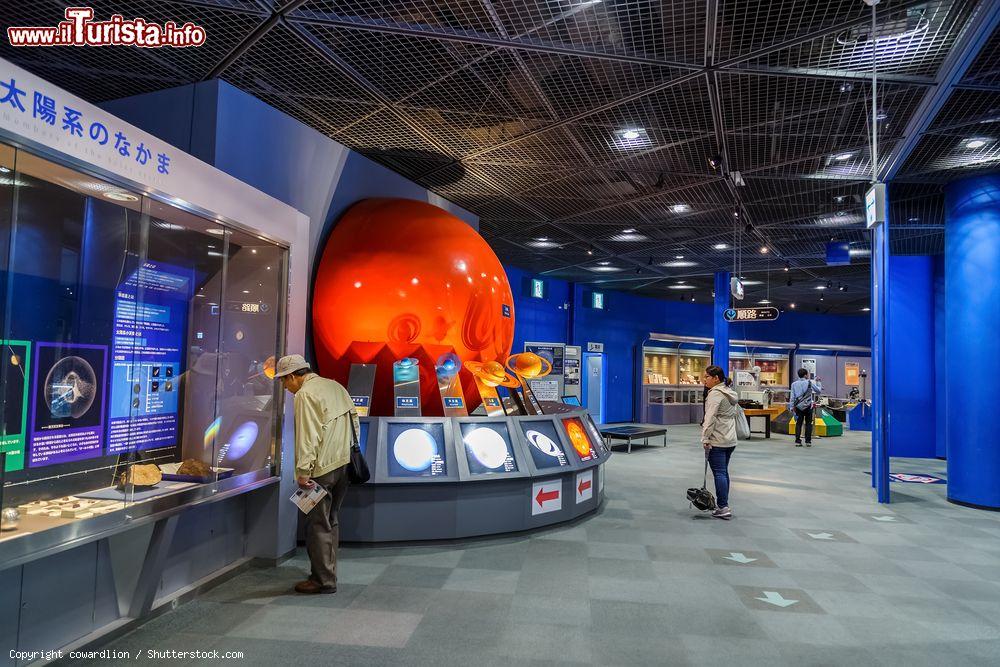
(325,424)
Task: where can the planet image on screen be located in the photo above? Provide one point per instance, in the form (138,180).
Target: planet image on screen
(578,438)
(242,439)
(542,443)
(487,446)
(415,449)
(70,388)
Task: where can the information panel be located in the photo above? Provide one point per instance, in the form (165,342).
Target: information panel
(544,445)
(147,356)
(67,403)
(488,448)
(15,365)
(416,450)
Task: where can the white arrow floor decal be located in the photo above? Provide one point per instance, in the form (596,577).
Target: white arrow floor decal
(775,598)
(886,518)
(738,557)
(821,536)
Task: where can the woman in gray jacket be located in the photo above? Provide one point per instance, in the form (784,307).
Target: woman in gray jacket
(718,433)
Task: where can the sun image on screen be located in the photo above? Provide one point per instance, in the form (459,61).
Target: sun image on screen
(543,443)
(578,438)
(416,450)
(488,448)
(363,437)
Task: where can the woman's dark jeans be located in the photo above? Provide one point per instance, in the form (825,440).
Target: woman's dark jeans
(718,461)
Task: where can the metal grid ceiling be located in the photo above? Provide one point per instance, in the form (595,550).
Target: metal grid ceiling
(519,110)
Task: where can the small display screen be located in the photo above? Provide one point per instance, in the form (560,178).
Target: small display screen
(363,438)
(595,433)
(488,448)
(543,443)
(578,437)
(416,450)
(572,400)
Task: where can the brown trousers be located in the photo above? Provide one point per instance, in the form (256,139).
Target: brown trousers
(323,528)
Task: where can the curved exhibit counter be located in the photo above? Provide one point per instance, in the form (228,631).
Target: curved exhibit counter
(437,478)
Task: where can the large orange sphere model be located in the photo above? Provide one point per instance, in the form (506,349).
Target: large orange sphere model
(401,278)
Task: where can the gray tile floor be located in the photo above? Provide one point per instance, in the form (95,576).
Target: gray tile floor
(809,572)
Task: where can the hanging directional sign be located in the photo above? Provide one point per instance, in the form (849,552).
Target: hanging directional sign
(762,314)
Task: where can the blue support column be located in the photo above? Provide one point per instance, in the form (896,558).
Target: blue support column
(880,325)
(720,329)
(972,339)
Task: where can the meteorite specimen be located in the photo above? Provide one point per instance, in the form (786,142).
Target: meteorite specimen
(9,518)
(194,468)
(140,475)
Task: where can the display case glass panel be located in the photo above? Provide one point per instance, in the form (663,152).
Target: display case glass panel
(416,450)
(119,380)
(691,367)
(488,448)
(544,444)
(773,372)
(659,366)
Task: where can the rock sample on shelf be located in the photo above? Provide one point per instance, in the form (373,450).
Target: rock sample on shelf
(194,468)
(141,474)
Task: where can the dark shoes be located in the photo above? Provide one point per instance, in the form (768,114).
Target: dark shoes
(798,444)
(310,587)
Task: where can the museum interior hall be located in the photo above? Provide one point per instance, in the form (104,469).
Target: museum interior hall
(405,332)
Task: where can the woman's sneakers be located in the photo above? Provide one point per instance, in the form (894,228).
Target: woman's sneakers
(723,513)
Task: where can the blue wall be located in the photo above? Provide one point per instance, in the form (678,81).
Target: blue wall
(910,361)
(627,319)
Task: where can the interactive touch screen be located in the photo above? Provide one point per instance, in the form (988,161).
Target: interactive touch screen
(595,433)
(578,438)
(572,400)
(416,450)
(488,448)
(543,443)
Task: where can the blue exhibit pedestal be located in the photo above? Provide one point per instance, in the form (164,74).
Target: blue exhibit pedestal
(860,418)
(972,343)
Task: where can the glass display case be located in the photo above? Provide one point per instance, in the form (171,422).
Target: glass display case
(691,365)
(739,361)
(659,366)
(138,348)
(773,370)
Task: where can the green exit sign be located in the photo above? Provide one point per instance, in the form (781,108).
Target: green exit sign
(537,288)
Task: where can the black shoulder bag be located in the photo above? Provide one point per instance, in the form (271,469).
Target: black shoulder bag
(357,467)
(702,498)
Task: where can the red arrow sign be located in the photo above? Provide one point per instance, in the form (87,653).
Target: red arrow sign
(584,485)
(546,495)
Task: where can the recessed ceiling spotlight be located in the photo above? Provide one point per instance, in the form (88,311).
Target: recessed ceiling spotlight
(866,310)
(764,301)
(881,115)
(846,87)
(763,250)
(604,269)
(681,282)
(787,266)
(120,196)
(715,161)
(913,219)
(839,199)
(679,264)
(721,246)
(630,235)
(603,263)
(631,134)
(840,157)
(791,305)
(820,286)
(678,256)
(829,283)
(628,231)
(750,282)
(590,250)
(681,287)
(822,298)
(543,243)
(976,143)
(680,208)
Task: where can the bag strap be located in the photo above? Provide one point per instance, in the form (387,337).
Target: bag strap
(354,433)
(704,481)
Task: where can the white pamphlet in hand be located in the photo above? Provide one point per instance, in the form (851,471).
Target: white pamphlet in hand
(306,499)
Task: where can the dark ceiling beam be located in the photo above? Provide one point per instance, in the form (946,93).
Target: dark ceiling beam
(467,37)
(828,74)
(255,36)
(961,56)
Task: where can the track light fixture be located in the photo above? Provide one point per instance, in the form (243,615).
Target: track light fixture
(590,250)
(829,284)
(789,283)
(788,267)
(715,161)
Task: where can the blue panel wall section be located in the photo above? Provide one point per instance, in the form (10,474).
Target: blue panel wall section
(910,358)
(940,397)
(538,319)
